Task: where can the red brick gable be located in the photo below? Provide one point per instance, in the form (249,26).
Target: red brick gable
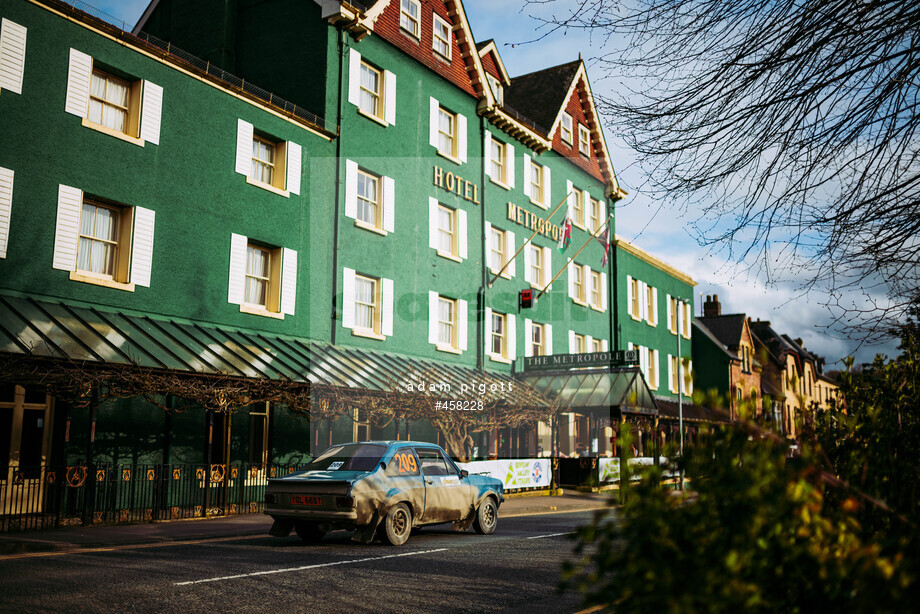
(579,109)
(457,71)
(489,65)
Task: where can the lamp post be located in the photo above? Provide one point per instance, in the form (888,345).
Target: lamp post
(680,400)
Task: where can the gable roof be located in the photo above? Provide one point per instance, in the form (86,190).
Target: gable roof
(485,48)
(704,330)
(729,328)
(540,95)
(776,345)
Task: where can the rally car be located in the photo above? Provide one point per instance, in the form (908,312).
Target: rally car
(381,487)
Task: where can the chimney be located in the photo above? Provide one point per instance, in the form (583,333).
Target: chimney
(712,308)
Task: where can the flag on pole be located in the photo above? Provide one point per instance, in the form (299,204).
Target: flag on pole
(604,239)
(566,236)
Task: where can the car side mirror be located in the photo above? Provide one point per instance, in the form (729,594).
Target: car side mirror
(464,474)
(383,465)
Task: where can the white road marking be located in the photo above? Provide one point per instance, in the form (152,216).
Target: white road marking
(550,535)
(272,571)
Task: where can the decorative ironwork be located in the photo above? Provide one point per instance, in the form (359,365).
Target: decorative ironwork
(218,473)
(174,513)
(51,477)
(123,516)
(198,509)
(19,478)
(76,476)
(234,472)
(272,472)
(148,514)
(151,474)
(125,475)
(253,472)
(98,517)
(199,473)
(253,507)
(100,475)
(177,473)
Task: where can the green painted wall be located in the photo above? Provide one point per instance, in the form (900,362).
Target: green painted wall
(188,180)
(716,375)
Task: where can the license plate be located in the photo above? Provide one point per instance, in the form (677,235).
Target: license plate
(306,500)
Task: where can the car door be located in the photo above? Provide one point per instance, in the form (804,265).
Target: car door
(444,493)
(404,475)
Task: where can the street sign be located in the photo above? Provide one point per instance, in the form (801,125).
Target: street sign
(616,358)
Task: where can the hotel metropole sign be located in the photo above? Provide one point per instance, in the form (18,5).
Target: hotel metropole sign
(616,358)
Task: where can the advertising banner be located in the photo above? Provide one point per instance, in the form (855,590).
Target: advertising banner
(609,468)
(515,474)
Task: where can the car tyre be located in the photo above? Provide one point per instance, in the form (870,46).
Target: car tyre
(309,532)
(486,517)
(397,526)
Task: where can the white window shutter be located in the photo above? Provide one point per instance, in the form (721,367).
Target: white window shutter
(509,240)
(433,317)
(432,222)
(629,294)
(490,261)
(512,336)
(688,318)
(351,189)
(643,360)
(528,169)
(6,207)
(509,164)
(548,264)
(142,246)
(288,280)
(586,275)
(667,302)
(571,342)
(79,73)
(433,106)
(528,259)
(243,147)
(461,233)
(294,167)
(386,306)
(488,341)
(528,336)
(670,374)
(570,269)
(547,186)
(354,77)
(605,345)
(690,377)
(151,112)
(570,200)
(67,228)
(586,204)
(654,357)
(389,111)
(389,204)
(236,285)
(487,153)
(348,298)
(461,137)
(589,343)
(462,323)
(12,55)
(655,306)
(643,300)
(548,331)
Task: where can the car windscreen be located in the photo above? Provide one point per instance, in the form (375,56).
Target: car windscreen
(362,457)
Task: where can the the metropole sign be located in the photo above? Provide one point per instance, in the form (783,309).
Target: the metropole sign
(616,358)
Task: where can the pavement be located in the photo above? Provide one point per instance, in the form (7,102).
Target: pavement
(178,531)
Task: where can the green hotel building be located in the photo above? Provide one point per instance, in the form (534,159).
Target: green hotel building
(220,227)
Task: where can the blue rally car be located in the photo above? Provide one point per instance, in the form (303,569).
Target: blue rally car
(381,487)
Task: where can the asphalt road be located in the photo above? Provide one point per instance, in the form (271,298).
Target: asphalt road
(516,569)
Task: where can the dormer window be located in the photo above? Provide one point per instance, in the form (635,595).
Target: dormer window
(566,131)
(409,13)
(497,90)
(440,37)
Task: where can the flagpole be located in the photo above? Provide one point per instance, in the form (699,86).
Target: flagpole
(535,233)
(593,236)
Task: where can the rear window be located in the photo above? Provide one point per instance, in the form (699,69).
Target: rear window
(363,457)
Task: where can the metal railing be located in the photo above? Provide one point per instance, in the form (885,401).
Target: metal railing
(51,497)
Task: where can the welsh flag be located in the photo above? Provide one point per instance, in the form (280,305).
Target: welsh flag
(566,237)
(604,239)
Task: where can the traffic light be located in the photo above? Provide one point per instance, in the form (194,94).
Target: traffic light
(526,298)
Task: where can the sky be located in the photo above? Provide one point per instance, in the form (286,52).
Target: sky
(650,224)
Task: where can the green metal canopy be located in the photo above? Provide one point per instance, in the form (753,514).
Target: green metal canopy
(88,334)
(623,389)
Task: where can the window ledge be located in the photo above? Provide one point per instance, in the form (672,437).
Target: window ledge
(499,183)
(449,256)
(99,280)
(267,186)
(579,226)
(636,318)
(412,37)
(600,309)
(111,132)
(258,310)
(373,117)
(537,286)
(441,347)
(450,157)
(578,301)
(652,324)
(371,228)
(498,358)
(441,57)
(539,204)
(370,334)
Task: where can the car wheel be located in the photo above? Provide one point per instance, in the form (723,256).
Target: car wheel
(309,532)
(398,524)
(486,517)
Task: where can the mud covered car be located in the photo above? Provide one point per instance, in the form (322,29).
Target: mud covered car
(381,487)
